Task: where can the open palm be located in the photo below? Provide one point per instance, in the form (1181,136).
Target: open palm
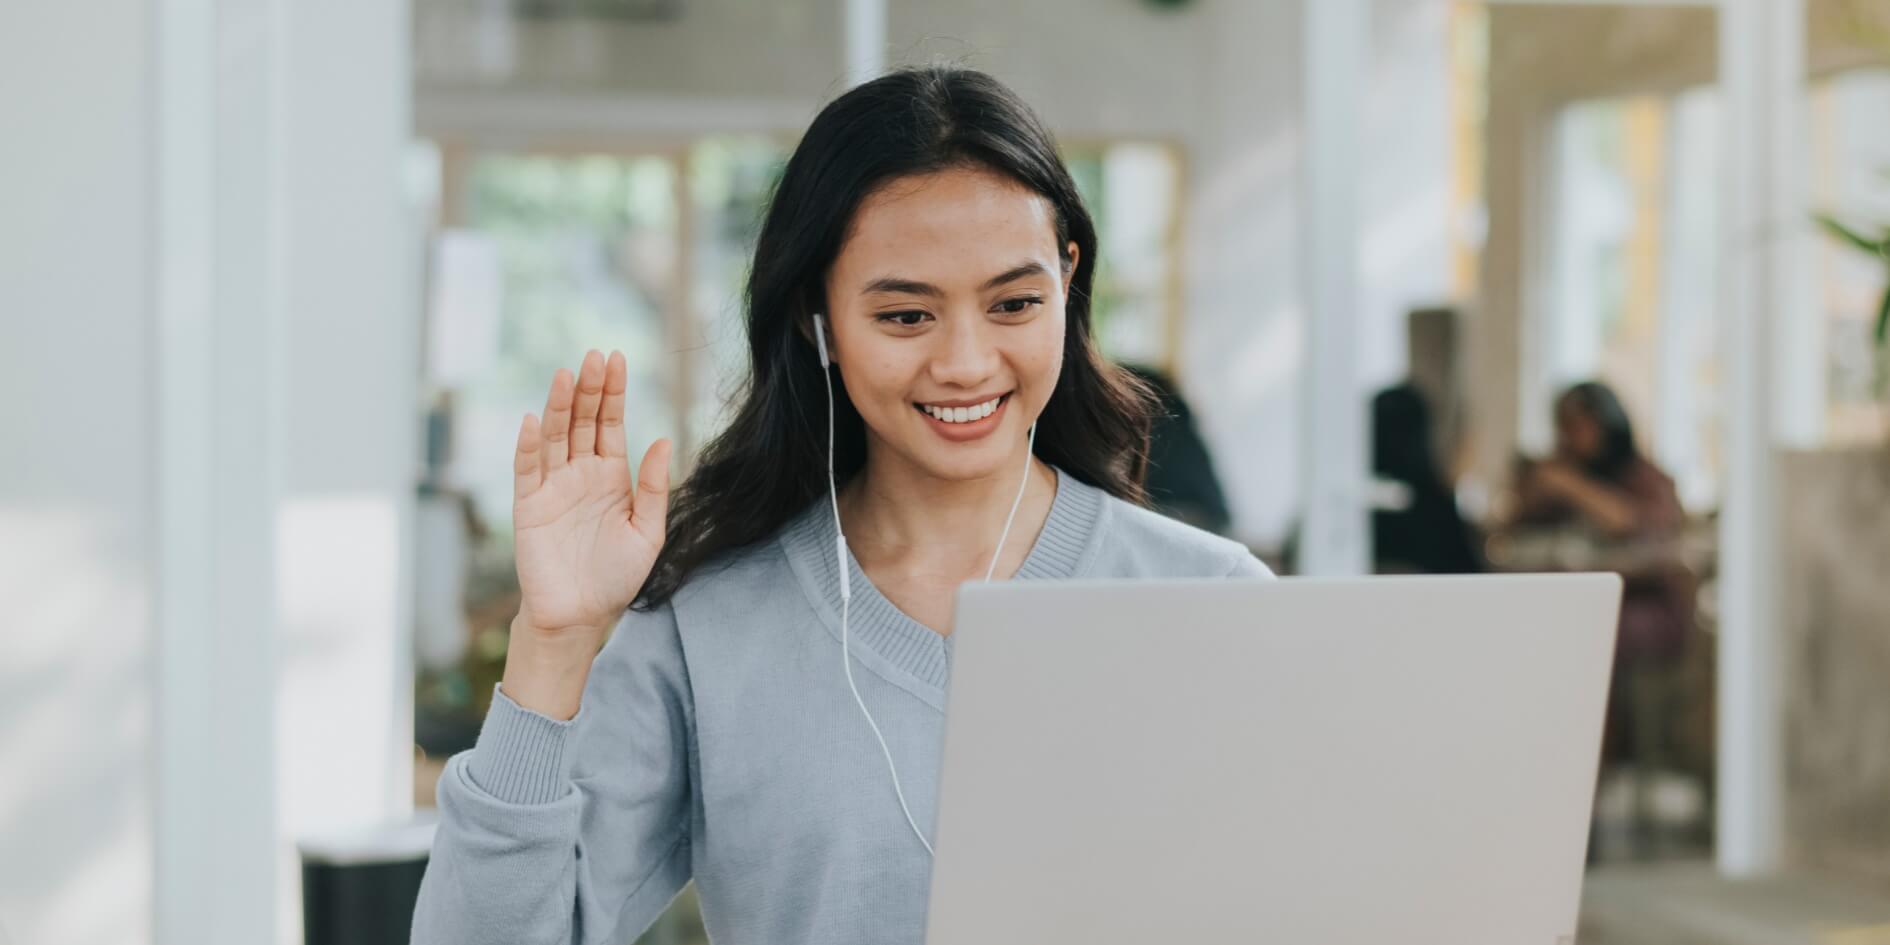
(584,540)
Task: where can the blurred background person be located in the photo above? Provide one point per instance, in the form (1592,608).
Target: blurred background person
(1182,483)
(1416,525)
(1600,504)
(1601,485)
(1598,475)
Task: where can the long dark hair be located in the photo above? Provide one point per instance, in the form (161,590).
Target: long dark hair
(771,461)
(1598,402)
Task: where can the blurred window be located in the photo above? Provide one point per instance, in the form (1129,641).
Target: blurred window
(1132,190)
(1630,287)
(730,180)
(585,249)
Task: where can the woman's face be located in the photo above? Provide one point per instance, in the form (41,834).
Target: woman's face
(1577,435)
(947,307)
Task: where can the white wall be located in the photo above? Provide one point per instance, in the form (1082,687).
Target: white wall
(75,571)
(1405,187)
(1244,340)
(1246,336)
(718,49)
(205,304)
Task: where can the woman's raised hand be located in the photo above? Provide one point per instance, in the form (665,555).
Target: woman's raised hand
(584,540)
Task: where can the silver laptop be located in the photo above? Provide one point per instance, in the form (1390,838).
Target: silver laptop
(1300,762)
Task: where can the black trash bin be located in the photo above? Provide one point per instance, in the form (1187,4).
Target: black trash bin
(359,886)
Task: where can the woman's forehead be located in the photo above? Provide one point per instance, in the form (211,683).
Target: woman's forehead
(950,225)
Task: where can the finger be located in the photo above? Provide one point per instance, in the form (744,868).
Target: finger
(526,474)
(651,504)
(590,390)
(557,422)
(610,413)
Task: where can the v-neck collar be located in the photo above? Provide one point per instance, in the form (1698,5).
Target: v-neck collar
(877,625)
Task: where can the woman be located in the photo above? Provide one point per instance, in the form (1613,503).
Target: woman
(926,236)
(1599,479)
(1598,475)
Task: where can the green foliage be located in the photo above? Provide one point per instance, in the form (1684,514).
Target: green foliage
(1879,247)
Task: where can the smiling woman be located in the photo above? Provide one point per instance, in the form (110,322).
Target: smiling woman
(929,215)
(925,406)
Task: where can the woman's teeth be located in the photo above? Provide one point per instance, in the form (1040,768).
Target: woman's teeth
(963,414)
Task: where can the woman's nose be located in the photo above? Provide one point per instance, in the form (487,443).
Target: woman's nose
(966,356)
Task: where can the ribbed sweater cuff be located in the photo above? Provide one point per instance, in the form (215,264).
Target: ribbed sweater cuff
(520,755)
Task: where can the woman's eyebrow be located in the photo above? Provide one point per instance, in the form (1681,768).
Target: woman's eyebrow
(896,285)
(1019,271)
(899,286)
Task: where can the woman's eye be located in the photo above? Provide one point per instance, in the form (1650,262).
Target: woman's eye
(903,319)
(1018,306)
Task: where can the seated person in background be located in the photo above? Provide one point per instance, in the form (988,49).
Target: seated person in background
(1416,525)
(1599,480)
(1181,480)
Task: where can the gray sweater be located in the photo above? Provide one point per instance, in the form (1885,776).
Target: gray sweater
(718,741)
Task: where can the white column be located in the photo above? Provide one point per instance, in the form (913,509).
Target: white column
(865,40)
(1798,333)
(344,686)
(1335,534)
(285,360)
(1762,199)
(217,336)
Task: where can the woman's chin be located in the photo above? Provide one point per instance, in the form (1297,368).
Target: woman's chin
(964,462)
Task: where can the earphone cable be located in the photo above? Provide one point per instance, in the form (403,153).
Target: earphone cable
(846,584)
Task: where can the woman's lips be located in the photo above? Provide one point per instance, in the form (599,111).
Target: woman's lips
(970,429)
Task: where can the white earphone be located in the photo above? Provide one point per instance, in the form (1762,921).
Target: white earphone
(846,586)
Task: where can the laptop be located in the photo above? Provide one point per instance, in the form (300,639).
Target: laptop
(1301,761)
